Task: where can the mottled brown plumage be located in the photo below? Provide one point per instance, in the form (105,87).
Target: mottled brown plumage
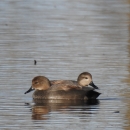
(63,89)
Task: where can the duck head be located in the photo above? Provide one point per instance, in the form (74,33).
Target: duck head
(85,79)
(39,83)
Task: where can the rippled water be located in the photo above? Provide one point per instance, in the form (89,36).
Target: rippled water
(65,38)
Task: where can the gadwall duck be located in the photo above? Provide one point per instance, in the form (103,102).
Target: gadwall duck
(64,89)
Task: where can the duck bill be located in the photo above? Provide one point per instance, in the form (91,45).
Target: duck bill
(93,85)
(30,89)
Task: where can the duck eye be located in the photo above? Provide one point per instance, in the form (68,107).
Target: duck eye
(36,82)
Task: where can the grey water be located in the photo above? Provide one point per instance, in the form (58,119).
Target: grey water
(65,38)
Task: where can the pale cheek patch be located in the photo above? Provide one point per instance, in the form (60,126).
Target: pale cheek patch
(84,82)
(39,88)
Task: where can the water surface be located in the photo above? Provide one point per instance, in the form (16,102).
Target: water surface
(65,38)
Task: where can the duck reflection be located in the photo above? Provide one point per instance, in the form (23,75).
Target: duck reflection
(39,111)
(42,108)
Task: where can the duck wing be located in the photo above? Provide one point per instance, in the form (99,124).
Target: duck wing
(53,82)
(64,86)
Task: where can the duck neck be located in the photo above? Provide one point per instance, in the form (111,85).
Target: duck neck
(46,86)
